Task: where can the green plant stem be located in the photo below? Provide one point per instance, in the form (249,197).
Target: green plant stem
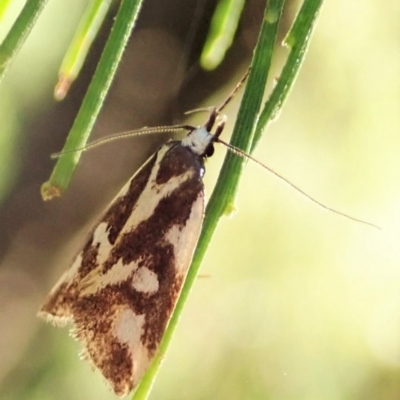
(226,187)
(83,124)
(78,49)
(19,32)
(222,31)
(297,40)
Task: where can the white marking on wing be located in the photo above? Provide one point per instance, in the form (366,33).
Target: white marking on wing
(96,280)
(145,206)
(145,281)
(128,329)
(184,238)
(100,237)
(153,193)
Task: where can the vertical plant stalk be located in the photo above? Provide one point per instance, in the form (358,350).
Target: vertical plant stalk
(223,195)
(222,31)
(98,88)
(297,40)
(79,47)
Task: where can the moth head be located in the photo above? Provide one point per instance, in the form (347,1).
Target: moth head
(200,141)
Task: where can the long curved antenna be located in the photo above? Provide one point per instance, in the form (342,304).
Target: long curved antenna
(227,100)
(124,135)
(235,90)
(243,154)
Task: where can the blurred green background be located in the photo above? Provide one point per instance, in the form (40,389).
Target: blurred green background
(293,302)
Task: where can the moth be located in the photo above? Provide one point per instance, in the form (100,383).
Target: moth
(122,286)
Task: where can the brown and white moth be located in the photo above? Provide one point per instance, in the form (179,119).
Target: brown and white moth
(122,286)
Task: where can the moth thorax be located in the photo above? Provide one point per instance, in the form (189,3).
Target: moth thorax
(200,142)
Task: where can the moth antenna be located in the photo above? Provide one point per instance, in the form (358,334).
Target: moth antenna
(234,91)
(225,103)
(202,109)
(124,135)
(243,154)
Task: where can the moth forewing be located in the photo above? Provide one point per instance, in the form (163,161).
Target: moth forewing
(122,287)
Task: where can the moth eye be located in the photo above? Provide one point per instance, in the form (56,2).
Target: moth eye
(209,151)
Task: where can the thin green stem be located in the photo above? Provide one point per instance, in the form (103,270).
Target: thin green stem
(19,32)
(228,181)
(105,72)
(297,40)
(222,31)
(79,47)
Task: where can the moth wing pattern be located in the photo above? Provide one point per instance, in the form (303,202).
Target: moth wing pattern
(121,288)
